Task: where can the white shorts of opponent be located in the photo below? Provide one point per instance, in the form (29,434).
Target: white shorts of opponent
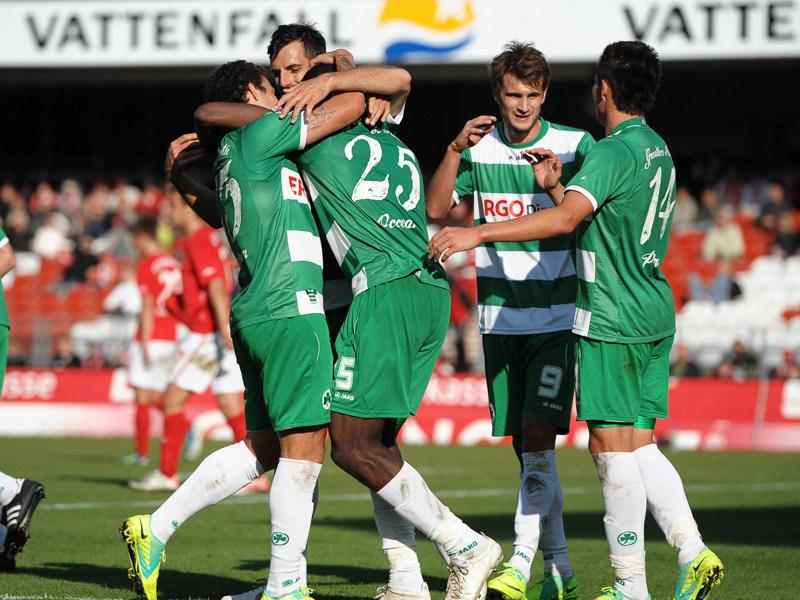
(202,360)
(153,376)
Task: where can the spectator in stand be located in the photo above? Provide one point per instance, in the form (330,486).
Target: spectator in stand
(730,188)
(94,358)
(787,240)
(82,264)
(788,369)
(42,201)
(683,365)
(743,363)
(96,211)
(18,229)
(70,202)
(10,198)
(50,240)
(709,207)
(123,198)
(65,356)
(724,239)
(686,209)
(776,205)
(723,285)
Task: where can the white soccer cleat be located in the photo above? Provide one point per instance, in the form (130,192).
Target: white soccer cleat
(155,481)
(194,443)
(254,594)
(468,575)
(258,485)
(386,593)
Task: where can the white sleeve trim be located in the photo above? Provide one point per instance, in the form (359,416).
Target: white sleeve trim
(4,242)
(583,192)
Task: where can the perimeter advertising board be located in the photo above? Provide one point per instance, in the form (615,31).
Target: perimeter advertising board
(126,33)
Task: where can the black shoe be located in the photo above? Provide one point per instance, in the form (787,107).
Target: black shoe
(16,516)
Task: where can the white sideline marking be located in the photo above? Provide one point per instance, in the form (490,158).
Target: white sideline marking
(364,497)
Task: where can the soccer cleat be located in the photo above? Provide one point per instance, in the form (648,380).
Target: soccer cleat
(610,593)
(260,484)
(553,587)
(134,459)
(468,575)
(697,578)
(386,593)
(194,443)
(16,516)
(145,552)
(508,584)
(254,594)
(155,481)
(302,593)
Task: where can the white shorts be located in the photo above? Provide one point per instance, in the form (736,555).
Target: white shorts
(203,360)
(154,376)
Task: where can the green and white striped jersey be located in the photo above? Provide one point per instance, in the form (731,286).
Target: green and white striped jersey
(366,187)
(526,287)
(623,295)
(267,219)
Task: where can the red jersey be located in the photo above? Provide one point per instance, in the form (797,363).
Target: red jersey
(205,257)
(159,276)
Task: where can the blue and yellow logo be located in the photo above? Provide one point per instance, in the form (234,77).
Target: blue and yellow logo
(426,28)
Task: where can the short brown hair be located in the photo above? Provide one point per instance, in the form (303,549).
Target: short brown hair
(524,62)
(145,225)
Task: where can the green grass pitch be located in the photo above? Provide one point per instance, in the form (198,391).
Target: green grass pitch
(747,506)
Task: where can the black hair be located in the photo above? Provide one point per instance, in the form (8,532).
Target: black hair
(633,72)
(229,82)
(311,37)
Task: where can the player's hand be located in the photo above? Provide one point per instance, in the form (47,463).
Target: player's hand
(305,95)
(181,153)
(227,340)
(546,166)
(378,109)
(473,132)
(146,353)
(450,240)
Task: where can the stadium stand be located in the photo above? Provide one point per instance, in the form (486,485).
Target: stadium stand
(50,297)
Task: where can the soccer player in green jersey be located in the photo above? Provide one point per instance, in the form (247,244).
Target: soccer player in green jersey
(18,497)
(526,300)
(367,189)
(621,204)
(277,325)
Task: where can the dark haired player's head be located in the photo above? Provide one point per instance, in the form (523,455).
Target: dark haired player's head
(524,62)
(291,49)
(309,36)
(144,225)
(633,72)
(229,82)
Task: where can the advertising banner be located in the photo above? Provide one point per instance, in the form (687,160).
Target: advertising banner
(705,413)
(141,33)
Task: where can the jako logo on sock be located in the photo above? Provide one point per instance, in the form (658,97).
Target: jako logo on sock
(464,549)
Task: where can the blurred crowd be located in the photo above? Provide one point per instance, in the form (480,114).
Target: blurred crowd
(82,226)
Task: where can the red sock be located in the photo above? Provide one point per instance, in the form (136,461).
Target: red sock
(143,429)
(175,427)
(239,426)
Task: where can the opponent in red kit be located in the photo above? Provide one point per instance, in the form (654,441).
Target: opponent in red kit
(158,276)
(205,354)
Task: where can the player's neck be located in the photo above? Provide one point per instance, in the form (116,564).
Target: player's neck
(517,136)
(615,117)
